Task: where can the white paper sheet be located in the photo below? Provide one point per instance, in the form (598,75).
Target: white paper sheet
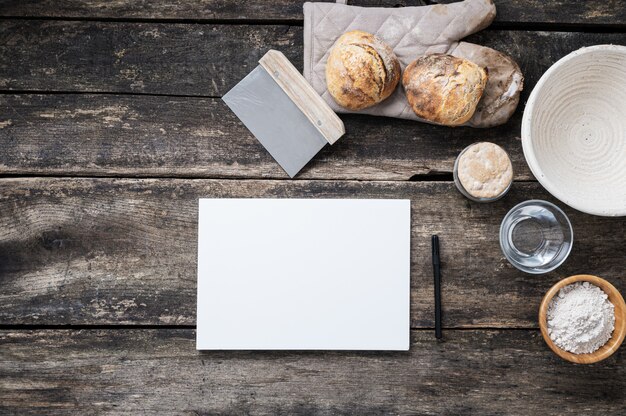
(303,274)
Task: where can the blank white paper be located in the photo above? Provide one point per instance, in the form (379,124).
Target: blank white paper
(303,274)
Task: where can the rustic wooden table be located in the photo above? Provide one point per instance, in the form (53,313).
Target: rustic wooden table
(112,127)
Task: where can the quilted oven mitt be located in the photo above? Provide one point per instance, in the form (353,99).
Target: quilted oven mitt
(412,32)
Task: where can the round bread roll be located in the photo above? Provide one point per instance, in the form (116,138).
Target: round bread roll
(361,71)
(444,89)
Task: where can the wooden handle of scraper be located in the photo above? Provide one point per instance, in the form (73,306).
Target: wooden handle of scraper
(303,95)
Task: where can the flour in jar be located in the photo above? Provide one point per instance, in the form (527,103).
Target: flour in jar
(581,318)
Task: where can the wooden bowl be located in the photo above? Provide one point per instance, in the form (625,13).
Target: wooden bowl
(620,320)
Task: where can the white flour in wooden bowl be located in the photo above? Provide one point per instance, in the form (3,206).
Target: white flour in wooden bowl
(581,319)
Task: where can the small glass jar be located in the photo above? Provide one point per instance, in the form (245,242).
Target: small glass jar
(536,236)
(483,172)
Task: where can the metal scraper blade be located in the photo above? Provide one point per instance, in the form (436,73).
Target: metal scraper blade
(281,127)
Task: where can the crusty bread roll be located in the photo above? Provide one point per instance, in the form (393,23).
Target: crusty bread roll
(361,71)
(444,89)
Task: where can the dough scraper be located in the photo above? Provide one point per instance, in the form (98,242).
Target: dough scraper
(284,112)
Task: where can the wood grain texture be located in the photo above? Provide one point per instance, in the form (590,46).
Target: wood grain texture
(200,60)
(86,134)
(558,12)
(123,251)
(157,9)
(107,251)
(159,372)
(569,12)
(187,136)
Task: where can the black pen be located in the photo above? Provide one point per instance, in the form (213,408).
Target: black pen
(437,273)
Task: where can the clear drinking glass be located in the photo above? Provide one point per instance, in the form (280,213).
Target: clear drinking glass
(536,236)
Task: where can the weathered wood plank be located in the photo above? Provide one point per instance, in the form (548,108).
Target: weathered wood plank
(609,12)
(159,372)
(121,251)
(199,60)
(559,12)
(204,60)
(84,134)
(157,9)
(164,136)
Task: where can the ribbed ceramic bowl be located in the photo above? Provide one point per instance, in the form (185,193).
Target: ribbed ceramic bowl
(620,320)
(574,130)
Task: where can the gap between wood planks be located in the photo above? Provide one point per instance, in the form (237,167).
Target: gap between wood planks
(515,26)
(25,327)
(426,177)
(59,92)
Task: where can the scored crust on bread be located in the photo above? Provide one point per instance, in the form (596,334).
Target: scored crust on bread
(361,70)
(444,89)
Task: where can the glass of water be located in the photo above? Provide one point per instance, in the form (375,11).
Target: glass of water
(536,236)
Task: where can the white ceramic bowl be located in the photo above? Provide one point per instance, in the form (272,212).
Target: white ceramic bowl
(574,130)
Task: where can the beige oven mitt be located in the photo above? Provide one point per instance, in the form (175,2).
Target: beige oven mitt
(412,32)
